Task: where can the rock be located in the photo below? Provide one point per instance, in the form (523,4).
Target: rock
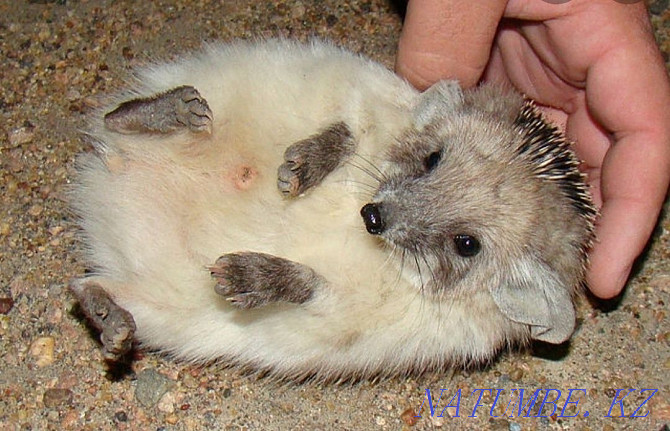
(499,425)
(516,374)
(121,416)
(21,135)
(409,417)
(166,403)
(660,412)
(42,349)
(6,304)
(36,210)
(451,411)
(151,386)
(57,397)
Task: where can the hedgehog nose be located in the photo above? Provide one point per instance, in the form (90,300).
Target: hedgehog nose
(373,218)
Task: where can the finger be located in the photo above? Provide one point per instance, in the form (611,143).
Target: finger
(629,94)
(621,235)
(447,39)
(634,181)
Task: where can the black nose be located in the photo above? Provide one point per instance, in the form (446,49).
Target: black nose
(373,218)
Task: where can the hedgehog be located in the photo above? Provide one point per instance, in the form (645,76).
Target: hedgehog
(301,211)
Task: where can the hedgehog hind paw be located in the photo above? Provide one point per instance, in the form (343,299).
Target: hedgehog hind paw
(116,325)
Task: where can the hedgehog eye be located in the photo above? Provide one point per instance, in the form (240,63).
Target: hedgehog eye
(466,245)
(431,161)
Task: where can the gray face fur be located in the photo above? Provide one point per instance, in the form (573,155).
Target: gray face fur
(472,199)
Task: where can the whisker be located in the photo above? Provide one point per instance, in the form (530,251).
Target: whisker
(365,170)
(387,261)
(365,185)
(418,268)
(402,261)
(433,278)
(417,317)
(435,288)
(374,167)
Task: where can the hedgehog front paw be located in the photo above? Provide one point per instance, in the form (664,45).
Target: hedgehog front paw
(251,280)
(290,174)
(308,162)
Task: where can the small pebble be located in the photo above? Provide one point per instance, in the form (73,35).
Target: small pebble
(69,420)
(6,304)
(409,417)
(151,386)
(57,397)
(516,374)
(513,426)
(166,403)
(35,210)
(20,136)
(437,422)
(42,349)
(298,10)
(451,411)
(55,230)
(661,412)
(500,425)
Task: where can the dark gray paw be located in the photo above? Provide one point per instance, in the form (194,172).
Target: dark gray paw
(115,324)
(177,109)
(308,162)
(192,110)
(249,280)
(292,173)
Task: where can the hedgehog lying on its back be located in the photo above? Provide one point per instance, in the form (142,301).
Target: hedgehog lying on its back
(222,216)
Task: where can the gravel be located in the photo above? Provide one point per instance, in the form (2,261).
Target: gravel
(59,57)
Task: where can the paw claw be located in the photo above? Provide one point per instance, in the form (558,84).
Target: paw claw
(243,300)
(193,111)
(222,271)
(288,178)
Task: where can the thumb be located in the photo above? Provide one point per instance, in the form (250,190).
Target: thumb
(447,39)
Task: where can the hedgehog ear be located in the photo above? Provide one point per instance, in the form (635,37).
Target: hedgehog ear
(438,101)
(532,294)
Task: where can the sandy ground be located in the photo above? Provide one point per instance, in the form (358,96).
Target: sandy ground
(56,57)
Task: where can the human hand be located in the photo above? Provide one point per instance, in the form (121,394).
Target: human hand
(596,68)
